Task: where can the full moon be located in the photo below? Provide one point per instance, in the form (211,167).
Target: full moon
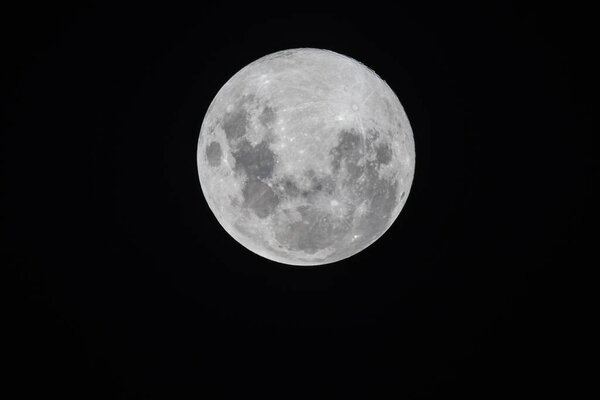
(306,157)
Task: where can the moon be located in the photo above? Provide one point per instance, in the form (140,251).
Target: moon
(306,157)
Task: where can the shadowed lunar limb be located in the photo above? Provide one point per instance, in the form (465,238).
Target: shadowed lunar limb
(306,157)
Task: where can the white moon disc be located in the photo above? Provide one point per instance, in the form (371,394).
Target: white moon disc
(306,157)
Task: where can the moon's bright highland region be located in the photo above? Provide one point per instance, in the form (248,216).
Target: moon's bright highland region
(306,157)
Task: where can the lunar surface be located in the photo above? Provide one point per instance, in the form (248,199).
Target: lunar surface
(306,157)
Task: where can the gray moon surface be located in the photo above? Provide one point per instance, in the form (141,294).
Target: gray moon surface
(306,157)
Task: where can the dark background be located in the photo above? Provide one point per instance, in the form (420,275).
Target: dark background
(122,284)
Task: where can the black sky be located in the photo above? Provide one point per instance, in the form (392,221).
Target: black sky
(122,284)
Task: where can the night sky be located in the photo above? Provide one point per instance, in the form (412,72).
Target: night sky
(122,284)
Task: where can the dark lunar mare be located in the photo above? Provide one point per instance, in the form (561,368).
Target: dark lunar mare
(348,155)
(214,154)
(286,187)
(267,116)
(318,185)
(362,181)
(260,198)
(383,153)
(256,162)
(235,123)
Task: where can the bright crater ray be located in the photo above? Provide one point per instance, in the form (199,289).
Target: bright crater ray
(306,157)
